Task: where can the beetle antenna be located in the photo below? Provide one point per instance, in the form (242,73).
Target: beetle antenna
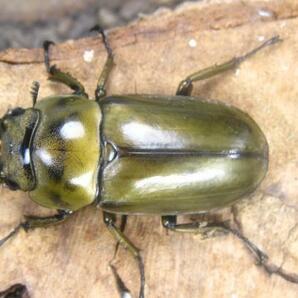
(100,30)
(11,234)
(34,91)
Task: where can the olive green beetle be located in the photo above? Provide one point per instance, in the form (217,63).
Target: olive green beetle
(133,154)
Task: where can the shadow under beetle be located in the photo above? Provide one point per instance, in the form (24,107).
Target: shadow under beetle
(134,154)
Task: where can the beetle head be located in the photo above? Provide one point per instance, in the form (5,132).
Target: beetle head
(16,131)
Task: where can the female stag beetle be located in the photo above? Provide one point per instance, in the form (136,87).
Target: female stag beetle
(133,154)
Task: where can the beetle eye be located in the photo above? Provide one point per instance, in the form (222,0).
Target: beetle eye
(16,112)
(2,126)
(11,184)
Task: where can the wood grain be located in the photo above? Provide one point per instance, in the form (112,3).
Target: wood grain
(152,55)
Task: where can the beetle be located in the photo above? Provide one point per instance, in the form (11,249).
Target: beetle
(133,154)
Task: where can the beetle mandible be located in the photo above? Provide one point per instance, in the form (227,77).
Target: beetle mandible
(199,155)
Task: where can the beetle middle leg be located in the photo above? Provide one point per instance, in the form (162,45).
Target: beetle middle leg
(55,74)
(185,86)
(32,222)
(109,220)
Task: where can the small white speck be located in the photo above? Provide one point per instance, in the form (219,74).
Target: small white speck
(192,43)
(234,296)
(285,67)
(261,38)
(265,13)
(126,295)
(237,72)
(88,55)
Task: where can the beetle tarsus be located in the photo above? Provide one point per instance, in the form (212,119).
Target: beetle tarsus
(46,47)
(185,86)
(55,74)
(100,91)
(100,30)
(268,42)
(11,234)
(121,287)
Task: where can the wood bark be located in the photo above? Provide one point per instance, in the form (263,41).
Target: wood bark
(152,55)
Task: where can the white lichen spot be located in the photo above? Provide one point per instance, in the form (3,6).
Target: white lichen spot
(192,43)
(265,13)
(261,38)
(88,55)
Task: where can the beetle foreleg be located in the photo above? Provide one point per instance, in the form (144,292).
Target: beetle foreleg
(15,291)
(185,86)
(109,220)
(55,74)
(32,222)
(100,91)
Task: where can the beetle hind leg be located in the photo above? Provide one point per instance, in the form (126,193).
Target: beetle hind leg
(207,230)
(185,86)
(55,74)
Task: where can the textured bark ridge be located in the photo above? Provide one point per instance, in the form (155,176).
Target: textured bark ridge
(152,55)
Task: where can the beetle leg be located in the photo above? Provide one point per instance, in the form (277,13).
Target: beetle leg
(122,289)
(205,230)
(15,291)
(214,229)
(122,228)
(100,91)
(185,86)
(32,222)
(208,230)
(109,220)
(55,74)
